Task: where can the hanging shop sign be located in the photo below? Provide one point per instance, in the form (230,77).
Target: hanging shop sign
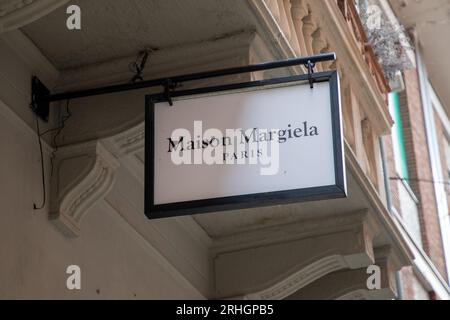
(244,145)
(235,146)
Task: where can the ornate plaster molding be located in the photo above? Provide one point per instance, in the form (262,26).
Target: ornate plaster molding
(83,175)
(351,284)
(128,142)
(271,17)
(356,295)
(17,13)
(346,249)
(386,258)
(326,267)
(300,279)
(382,294)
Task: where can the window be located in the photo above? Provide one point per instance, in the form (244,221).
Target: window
(401,161)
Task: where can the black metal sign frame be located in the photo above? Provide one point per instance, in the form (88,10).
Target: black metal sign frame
(338,190)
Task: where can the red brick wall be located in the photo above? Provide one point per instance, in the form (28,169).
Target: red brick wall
(420,169)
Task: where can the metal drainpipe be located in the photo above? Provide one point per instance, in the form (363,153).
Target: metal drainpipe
(387,187)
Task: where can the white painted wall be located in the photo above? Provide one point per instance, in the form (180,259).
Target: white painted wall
(35,255)
(114,258)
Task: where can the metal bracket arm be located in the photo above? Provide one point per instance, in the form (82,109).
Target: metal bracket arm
(41,96)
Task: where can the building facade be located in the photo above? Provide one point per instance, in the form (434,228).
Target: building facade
(89,212)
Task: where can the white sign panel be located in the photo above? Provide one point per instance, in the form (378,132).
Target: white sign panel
(242,146)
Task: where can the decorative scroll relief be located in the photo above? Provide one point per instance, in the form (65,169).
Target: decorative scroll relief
(389,262)
(128,142)
(17,13)
(353,251)
(300,279)
(83,175)
(386,260)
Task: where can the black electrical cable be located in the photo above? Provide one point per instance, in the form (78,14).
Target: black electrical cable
(55,145)
(64,118)
(35,207)
(420,180)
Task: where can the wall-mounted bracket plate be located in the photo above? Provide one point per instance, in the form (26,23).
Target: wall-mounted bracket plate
(38,104)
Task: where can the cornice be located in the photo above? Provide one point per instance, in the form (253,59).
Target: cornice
(306,228)
(18,13)
(367,83)
(381,215)
(341,38)
(31,56)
